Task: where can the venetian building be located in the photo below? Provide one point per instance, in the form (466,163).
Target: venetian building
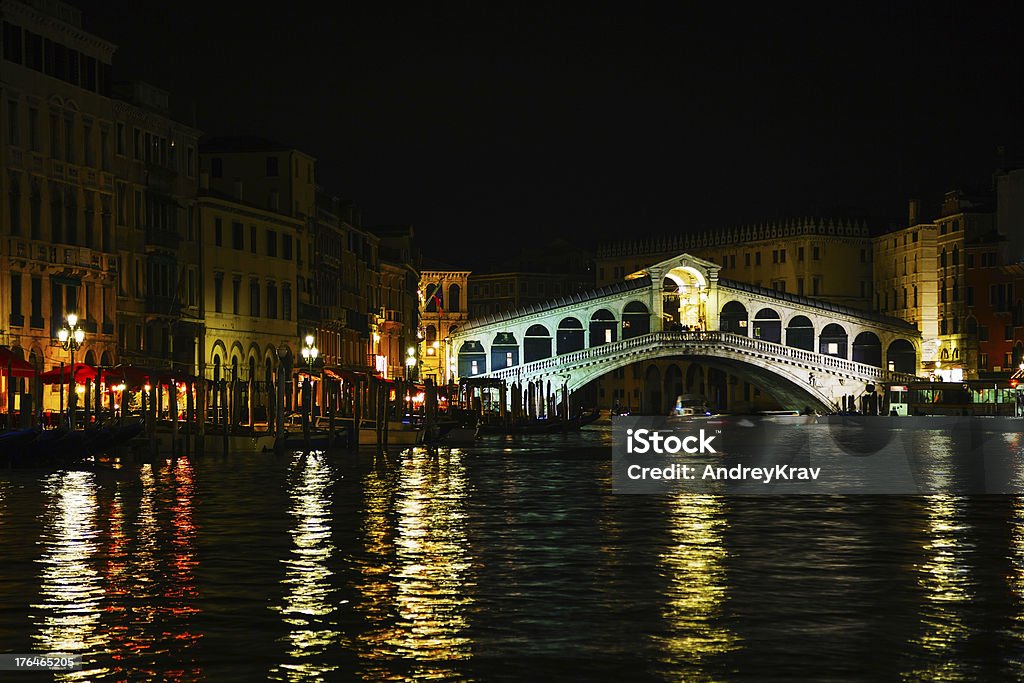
(443,308)
(155,209)
(58,254)
(256,202)
(907,282)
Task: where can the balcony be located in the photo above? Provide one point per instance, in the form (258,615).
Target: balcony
(309,312)
(162,305)
(164,239)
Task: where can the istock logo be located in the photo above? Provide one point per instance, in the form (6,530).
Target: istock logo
(647,441)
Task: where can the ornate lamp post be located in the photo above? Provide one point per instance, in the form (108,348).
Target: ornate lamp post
(71,337)
(410,363)
(309,355)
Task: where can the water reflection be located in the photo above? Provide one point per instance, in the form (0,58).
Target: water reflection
(418,599)
(71,589)
(149,575)
(1016,578)
(308,610)
(694,564)
(945,575)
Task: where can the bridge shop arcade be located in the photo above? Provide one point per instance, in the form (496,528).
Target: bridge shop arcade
(711,333)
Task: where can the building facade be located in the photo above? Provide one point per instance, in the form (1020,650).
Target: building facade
(256,205)
(398,317)
(905,281)
(442,309)
(156,162)
(58,254)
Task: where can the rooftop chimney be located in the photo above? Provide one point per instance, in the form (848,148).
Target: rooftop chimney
(912,218)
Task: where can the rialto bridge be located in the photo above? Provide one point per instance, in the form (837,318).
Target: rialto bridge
(805,352)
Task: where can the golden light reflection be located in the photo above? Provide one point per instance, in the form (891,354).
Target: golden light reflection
(419,571)
(150,575)
(71,589)
(1016,577)
(308,609)
(695,566)
(945,575)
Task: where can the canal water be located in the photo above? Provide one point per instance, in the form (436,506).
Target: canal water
(501,562)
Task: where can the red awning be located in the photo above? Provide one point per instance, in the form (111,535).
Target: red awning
(131,376)
(345,375)
(83,372)
(19,367)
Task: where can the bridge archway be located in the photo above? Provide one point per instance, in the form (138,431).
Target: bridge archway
(652,403)
(673,384)
(800,333)
(867,349)
(472,359)
(768,325)
(636,320)
(684,292)
(536,344)
(901,357)
(602,327)
(833,340)
(695,379)
(734,318)
(504,351)
(569,336)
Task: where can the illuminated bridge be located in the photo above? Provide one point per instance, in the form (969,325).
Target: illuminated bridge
(804,351)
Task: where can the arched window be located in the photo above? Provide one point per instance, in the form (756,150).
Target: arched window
(431,298)
(454,298)
(430,334)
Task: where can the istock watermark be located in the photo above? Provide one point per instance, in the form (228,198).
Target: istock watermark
(810,455)
(652,441)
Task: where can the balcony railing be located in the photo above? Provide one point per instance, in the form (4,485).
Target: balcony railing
(309,311)
(166,239)
(162,305)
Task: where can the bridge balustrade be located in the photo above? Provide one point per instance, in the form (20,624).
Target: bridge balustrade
(728,339)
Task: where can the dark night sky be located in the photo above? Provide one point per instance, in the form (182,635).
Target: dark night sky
(617,120)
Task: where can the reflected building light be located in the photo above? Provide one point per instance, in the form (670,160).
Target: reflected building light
(419,570)
(307,609)
(1016,577)
(432,553)
(945,575)
(71,587)
(695,566)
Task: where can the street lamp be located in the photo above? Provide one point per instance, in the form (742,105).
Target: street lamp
(309,354)
(71,337)
(410,361)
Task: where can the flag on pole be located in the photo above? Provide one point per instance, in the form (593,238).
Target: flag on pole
(437,299)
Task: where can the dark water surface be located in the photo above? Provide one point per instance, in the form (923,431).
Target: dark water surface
(503,562)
